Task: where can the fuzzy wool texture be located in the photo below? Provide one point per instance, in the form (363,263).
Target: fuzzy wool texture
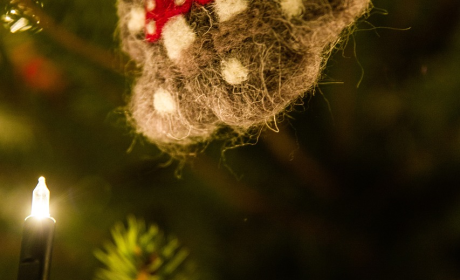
(230,67)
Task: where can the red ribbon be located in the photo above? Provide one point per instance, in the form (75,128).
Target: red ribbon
(162,12)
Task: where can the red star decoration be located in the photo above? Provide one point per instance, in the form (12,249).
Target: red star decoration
(164,10)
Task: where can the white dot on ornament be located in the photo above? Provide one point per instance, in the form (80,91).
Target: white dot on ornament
(163,102)
(234,72)
(226,9)
(136,19)
(178,36)
(292,8)
(151,27)
(150,5)
(179,2)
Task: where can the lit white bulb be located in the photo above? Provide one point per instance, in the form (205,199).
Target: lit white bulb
(41,200)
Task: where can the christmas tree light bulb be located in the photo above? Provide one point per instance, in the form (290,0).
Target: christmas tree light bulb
(37,237)
(41,200)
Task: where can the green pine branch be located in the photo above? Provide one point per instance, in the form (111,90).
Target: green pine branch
(139,252)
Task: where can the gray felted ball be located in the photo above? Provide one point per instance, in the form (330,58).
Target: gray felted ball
(224,64)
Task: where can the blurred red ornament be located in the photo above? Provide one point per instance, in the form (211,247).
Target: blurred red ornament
(37,71)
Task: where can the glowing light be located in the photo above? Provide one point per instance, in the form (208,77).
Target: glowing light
(21,25)
(20,16)
(41,200)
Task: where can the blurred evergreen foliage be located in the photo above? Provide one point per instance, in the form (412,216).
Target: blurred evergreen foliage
(361,183)
(143,253)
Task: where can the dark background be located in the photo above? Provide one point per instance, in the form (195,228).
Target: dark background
(361,182)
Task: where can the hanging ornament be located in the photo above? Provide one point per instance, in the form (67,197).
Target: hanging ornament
(210,66)
(20,16)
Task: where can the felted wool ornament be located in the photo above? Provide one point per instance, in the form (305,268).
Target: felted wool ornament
(212,64)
